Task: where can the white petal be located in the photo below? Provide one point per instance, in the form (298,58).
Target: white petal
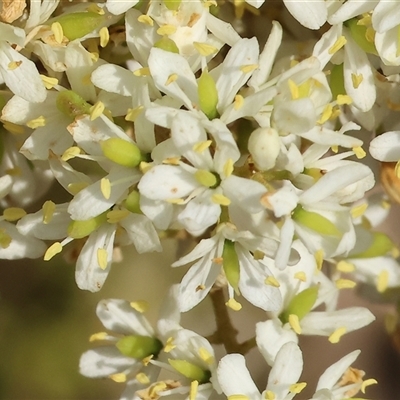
(385,16)
(386,147)
(351,9)
(112,78)
(118,7)
(158,211)
(311,14)
(222,30)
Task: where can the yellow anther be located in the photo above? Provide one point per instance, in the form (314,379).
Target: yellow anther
(269,395)
(228,167)
(5,239)
(13,65)
(326,114)
(145,19)
(246,69)
(368,382)
(95,9)
(133,113)
(13,128)
(115,216)
(75,188)
(57,30)
(359,152)
(72,152)
(104,36)
(13,213)
(169,346)
(145,71)
(345,266)
(383,281)
(206,356)
(49,83)
(194,385)
(16,171)
(140,306)
(48,209)
(98,336)
(233,304)
(238,397)
(345,284)
(36,123)
(156,388)
(102,258)
(171,78)
(172,161)
(294,89)
(142,378)
(105,187)
(201,146)
(175,201)
(356,80)
(319,258)
(342,99)
(54,249)
(239,101)
(294,323)
(205,49)
(166,30)
(272,281)
(146,360)
(119,378)
(335,148)
(96,110)
(94,55)
(220,199)
(301,276)
(340,42)
(359,210)
(297,387)
(337,334)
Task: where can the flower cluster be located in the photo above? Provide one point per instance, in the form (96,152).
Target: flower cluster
(158,119)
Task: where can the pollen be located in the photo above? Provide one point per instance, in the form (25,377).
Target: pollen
(54,249)
(356,80)
(233,304)
(57,30)
(49,83)
(220,199)
(119,378)
(48,210)
(133,113)
(145,19)
(140,306)
(166,30)
(104,36)
(238,103)
(383,281)
(105,187)
(202,146)
(98,336)
(205,49)
(297,387)
(102,258)
(345,266)
(96,110)
(272,281)
(359,152)
(337,334)
(36,123)
(340,42)
(294,323)
(171,78)
(345,284)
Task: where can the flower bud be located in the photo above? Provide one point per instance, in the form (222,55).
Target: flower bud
(191,371)
(121,152)
(172,5)
(167,44)
(264,147)
(359,34)
(139,347)
(81,229)
(381,245)
(208,95)
(231,264)
(132,202)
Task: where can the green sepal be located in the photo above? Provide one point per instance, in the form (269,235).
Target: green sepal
(301,304)
(132,202)
(139,347)
(79,24)
(71,104)
(315,221)
(172,5)
(336,81)
(231,264)
(167,44)
(121,152)
(81,229)
(358,33)
(381,245)
(191,371)
(208,95)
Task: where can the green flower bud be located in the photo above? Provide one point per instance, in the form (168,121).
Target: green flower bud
(231,264)
(381,245)
(139,347)
(315,221)
(336,81)
(167,44)
(301,304)
(359,34)
(208,95)
(121,152)
(172,5)
(191,371)
(79,24)
(71,104)
(81,229)
(132,202)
